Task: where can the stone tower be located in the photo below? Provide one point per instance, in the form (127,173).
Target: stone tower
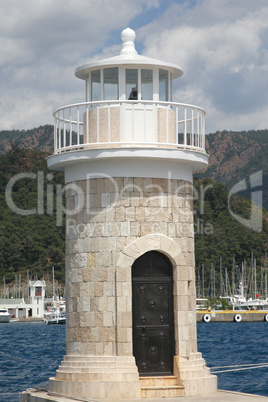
(128,154)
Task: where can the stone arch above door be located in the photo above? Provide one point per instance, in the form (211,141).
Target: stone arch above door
(157,242)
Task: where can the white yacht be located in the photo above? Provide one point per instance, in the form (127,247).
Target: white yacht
(4,315)
(56,318)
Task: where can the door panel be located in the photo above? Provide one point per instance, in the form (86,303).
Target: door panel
(151,303)
(152,352)
(153,317)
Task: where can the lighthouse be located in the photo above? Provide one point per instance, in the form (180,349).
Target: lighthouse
(128,154)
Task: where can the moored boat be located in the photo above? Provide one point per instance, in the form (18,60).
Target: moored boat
(4,315)
(56,319)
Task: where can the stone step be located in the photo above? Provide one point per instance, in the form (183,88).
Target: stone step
(93,369)
(162,392)
(109,366)
(108,359)
(191,374)
(192,368)
(195,356)
(96,376)
(192,363)
(158,381)
(160,387)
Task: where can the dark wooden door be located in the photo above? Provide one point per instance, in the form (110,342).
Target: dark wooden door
(153,317)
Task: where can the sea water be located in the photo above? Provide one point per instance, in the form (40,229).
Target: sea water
(240,345)
(30,353)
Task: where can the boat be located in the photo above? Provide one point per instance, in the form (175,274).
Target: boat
(240,302)
(4,315)
(244,299)
(56,318)
(201,304)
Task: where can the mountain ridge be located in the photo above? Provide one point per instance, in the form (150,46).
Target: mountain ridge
(234,155)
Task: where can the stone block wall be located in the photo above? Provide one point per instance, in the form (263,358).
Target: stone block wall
(111,222)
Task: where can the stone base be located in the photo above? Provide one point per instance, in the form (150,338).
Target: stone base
(194,375)
(96,377)
(104,378)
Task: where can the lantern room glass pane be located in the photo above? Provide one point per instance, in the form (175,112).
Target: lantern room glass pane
(163,85)
(131,83)
(95,85)
(110,77)
(147,84)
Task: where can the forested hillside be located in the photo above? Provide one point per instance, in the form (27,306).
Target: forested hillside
(229,240)
(234,156)
(31,241)
(35,243)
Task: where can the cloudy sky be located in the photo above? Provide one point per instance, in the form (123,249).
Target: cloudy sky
(221,45)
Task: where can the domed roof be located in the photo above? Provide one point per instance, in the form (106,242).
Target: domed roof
(128,56)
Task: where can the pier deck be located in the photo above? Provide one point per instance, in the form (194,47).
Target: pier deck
(229,315)
(219,396)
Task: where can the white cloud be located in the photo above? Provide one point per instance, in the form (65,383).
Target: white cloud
(41,44)
(222,46)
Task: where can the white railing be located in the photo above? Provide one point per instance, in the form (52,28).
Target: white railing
(129,123)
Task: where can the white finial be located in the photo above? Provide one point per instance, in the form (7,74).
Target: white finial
(128,37)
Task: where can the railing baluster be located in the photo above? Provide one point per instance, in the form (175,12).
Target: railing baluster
(77,127)
(87,123)
(185,127)
(177,125)
(64,129)
(198,129)
(59,132)
(98,124)
(109,123)
(155,111)
(71,126)
(192,128)
(55,134)
(167,130)
(121,111)
(132,118)
(203,134)
(144,123)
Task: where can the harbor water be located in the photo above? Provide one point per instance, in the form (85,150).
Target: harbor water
(30,353)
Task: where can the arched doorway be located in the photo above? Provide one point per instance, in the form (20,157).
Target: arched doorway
(152,313)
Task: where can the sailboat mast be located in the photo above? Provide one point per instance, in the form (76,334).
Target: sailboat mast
(265,266)
(53,278)
(203,280)
(221,280)
(226,281)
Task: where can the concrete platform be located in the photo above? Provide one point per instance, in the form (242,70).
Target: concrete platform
(219,396)
(229,315)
